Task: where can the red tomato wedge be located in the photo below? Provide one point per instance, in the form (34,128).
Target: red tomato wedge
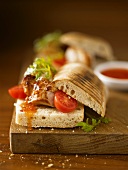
(59,62)
(63,102)
(17,92)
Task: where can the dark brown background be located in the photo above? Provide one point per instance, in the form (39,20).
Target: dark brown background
(21,22)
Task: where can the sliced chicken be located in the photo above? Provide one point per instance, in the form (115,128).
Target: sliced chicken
(40,92)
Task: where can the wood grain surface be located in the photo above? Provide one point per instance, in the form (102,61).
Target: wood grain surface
(103,140)
(23,21)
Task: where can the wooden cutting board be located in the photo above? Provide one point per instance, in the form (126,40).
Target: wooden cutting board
(109,138)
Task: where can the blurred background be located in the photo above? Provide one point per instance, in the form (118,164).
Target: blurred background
(22,21)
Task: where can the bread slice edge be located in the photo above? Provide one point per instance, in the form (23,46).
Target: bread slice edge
(49,117)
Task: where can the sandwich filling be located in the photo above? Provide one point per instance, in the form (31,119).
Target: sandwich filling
(38,88)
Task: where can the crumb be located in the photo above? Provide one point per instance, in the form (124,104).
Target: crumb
(36,162)
(1,151)
(11,154)
(50,160)
(52,129)
(50,165)
(42,163)
(76,155)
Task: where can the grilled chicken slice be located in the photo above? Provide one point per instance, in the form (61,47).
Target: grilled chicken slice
(76,54)
(40,92)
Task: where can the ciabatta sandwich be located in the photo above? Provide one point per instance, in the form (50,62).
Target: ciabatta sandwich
(57,99)
(61,53)
(73,47)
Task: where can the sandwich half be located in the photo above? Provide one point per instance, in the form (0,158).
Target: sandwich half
(78,83)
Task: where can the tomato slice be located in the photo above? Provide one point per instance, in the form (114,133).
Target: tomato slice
(17,92)
(59,62)
(63,102)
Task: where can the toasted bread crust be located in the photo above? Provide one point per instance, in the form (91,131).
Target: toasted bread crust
(95,46)
(78,81)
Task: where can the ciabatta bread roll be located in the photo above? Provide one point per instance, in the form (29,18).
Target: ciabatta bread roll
(95,46)
(76,80)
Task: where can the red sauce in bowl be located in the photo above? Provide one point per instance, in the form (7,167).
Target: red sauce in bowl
(119,73)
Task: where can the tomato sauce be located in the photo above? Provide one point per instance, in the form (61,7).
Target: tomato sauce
(119,73)
(29,110)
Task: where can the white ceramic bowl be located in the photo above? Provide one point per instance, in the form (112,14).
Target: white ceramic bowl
(113,83)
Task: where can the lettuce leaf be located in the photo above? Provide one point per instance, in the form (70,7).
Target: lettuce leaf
(46,40)
(91,123)
(41,67)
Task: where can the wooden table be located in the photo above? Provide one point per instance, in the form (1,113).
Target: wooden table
(9,76)
(111,23)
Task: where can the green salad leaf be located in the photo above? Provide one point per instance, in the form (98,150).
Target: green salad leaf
(41,67)
(50,38)
(87,127)
(92,122)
